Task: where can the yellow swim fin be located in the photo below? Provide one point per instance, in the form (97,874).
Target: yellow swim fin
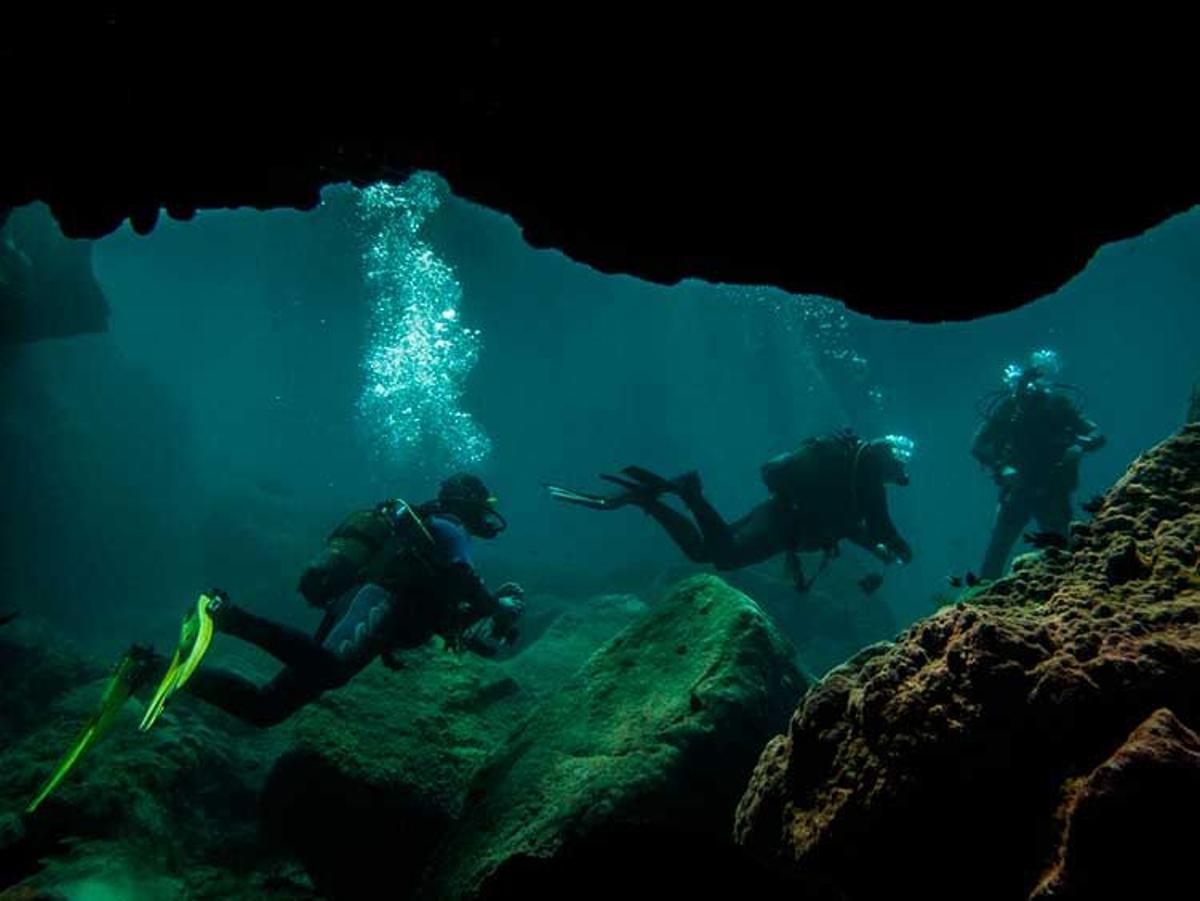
(129,674)
(195,635)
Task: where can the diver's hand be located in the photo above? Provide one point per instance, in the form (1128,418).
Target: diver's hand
(883,553)
(900,550)
(510,590)
(504,620)
(894,551)
(511,609)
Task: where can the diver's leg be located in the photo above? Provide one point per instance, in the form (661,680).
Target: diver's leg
(263,706)
(354,641)
(361,630)
(1054,514)
(334,611)
(716,532)
(681,530)
(364,632)
(1011,516)
(755,537)
(288,645)
(759,535)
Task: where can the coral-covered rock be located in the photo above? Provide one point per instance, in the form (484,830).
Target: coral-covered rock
(935,766)
(1124,834)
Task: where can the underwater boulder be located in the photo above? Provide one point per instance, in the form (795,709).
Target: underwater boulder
(389,757)
(376,771)
(829,622)
(636,763)
(961,739)
(558,635)
(1123,834)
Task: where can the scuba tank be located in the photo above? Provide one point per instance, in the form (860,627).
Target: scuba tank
(369,545)
(796,473)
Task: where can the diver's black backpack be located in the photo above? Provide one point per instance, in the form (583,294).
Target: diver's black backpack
(800,472)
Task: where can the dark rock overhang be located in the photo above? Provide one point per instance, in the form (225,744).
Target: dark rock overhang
(909,184)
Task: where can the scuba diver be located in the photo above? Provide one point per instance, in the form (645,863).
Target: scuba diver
(830,488)
(1032,439)
(388,579)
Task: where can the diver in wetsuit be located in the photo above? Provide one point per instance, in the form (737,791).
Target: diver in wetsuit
(388,579)
(1032,439)
(831,488)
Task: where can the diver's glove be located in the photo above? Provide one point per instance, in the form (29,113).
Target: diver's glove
(1006,477)
(894,550)
(511,609)
(883,553)
(510,590)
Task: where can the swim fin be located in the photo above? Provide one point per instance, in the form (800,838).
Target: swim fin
(131,671)
(593,501)
(639,486)
(195,635)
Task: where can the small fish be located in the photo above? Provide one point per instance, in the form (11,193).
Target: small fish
(1094,505)
(972,579)
(1047,539)
(955,581)
(870,583)
(8,616)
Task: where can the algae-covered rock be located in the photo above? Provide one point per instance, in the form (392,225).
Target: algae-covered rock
(611,718)
(388,758)
(141,809)
(830,621)
(647,745)
(376,772)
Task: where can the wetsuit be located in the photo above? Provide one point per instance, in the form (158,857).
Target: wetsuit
(441,593)
(1033,444)
(828,490)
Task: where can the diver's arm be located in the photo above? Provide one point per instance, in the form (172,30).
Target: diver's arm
(986,446)
(486,636)
(1085,435)
(1090,437)
(467,586)
(481,639)
(991,437)
(878,526)
(875,548)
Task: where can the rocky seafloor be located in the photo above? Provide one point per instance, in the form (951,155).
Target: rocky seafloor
(1035,740)
(620,725)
